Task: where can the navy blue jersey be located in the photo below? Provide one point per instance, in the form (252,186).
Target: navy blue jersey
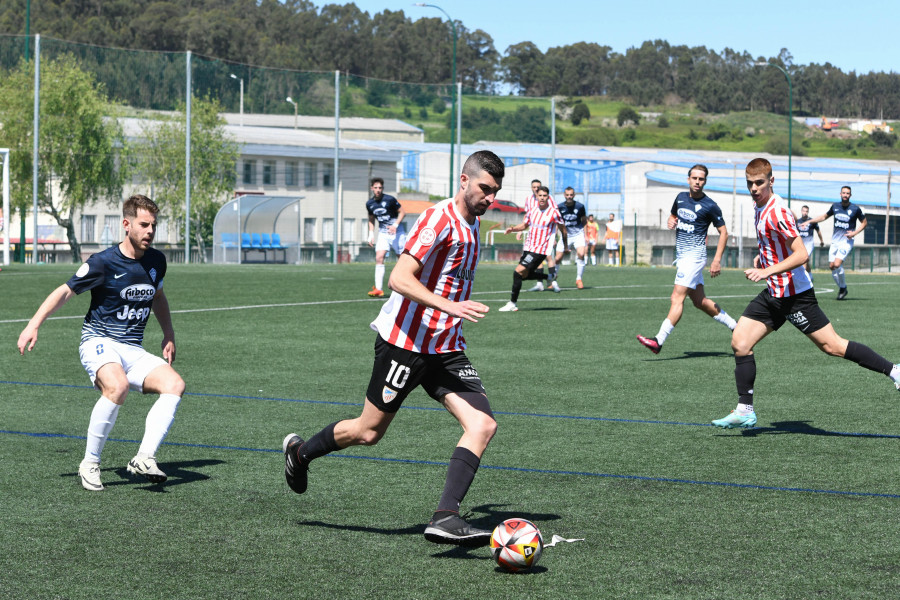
(844,220)
(805,229)
(385,211)
(694,218)
(573,217)
(122,292)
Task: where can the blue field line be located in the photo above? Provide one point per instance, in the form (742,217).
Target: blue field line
(751,486)
(441,409)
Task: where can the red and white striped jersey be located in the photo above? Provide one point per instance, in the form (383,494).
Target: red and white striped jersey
(775,229)
(531,200)
(448,248)
(541,227)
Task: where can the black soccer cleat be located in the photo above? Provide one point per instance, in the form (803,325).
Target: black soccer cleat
(452,529)
(842,293)
(295,468)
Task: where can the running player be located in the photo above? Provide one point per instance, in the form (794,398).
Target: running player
(530,202)
(845,214)
(692,214)
(543,219)
(387,212)
(788,296)
(806,233)
(420,342)
(591,233)
(613,233)
(126,283)
(575,218)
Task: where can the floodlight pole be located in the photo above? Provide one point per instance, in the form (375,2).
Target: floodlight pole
(790,119)
(4,154)
(241,80)
(453,97)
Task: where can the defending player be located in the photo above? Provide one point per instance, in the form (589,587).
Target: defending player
(575,218)
(806,229)
(845,214)
(788,296)
(692,214)
(543,219)
(420,342)
(126,283)
(387,212)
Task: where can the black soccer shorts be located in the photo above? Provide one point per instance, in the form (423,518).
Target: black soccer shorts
(531,262)
(397,372)
(802,310)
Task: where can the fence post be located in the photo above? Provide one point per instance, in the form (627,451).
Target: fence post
(187,163)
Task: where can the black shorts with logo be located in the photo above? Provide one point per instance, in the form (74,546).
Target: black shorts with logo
(531,262)
(802,310)
(397,372)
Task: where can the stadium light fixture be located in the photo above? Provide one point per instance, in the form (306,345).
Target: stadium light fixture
(790,118)
(288,99)
(453,96)
(233,76)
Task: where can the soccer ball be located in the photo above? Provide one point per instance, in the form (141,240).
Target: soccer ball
(516,545)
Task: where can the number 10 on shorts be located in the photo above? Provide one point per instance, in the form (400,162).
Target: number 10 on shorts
(397,376)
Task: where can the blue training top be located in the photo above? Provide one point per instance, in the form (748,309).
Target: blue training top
(844,220)
(122,292)
(386,210)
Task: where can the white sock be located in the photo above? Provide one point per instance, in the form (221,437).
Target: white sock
(103,417)
(617,260)
(725,319)
(379,277)
(840,277)
(593,260)
(744,408)
(609,260)
(895,373)
(664,331)
(579,267)
(159,419)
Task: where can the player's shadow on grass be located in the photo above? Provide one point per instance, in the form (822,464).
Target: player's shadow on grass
(546,308)
(804,428)
(178,473)
(695,355)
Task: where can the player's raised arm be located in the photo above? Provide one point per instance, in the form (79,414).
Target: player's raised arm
(53,302)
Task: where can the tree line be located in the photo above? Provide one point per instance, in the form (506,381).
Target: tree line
(389,45)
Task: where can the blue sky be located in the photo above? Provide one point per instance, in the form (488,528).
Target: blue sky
(854,36)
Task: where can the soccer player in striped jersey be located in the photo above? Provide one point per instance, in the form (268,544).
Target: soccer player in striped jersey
(845,214)
(788,296)
(530,202)
(575,218)
(420,342)
(692,214)
(542,219)
(126,284)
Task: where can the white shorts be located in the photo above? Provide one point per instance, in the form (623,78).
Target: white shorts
(840,249)
(690,271)
(575,241)
(612,244)
(137,362)
(395,242)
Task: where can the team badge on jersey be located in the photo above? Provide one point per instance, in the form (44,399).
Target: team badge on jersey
(82,270)
(388,395)
(426,236)
(153,275)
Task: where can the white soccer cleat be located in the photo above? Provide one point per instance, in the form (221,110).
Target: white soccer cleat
(555,287)
(538,287)
(146,467)
(509,307)
(89,472)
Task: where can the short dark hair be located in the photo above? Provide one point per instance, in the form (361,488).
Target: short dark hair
(699,167)
(136,202)
(487,161)
(569,188)
(759,165)
(535,181)
(544,188)
(376,180)
(848,187)
(805,206)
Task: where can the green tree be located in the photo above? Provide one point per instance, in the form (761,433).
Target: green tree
(78,145)
(214,155)
(580,112)
(627,115)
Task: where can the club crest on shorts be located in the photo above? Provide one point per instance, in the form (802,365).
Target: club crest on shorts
(388,395)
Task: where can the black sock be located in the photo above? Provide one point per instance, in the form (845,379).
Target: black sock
(320,444)
(553,271)
(463,465)
(744,377)
(517,287)
(868,358)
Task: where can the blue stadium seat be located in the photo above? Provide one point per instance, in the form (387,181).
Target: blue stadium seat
(257,241)
(245,240)
(276,241)
(229,240)
(266,241)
